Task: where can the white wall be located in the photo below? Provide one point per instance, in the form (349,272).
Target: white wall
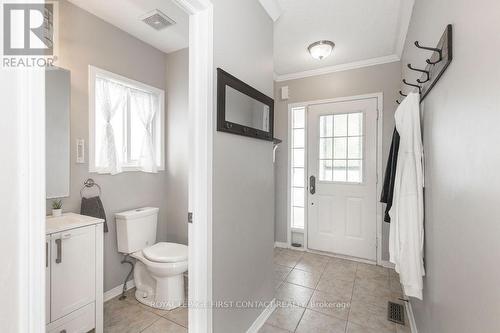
(177,146)
(461,118)
(243,188)
(382,78)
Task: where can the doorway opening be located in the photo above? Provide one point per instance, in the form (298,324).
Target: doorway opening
(334,165)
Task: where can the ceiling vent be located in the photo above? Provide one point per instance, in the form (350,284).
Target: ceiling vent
(157,20)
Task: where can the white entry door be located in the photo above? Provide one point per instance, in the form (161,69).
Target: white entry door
(342,166)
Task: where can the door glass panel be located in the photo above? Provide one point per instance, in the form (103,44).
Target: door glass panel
(297,144)
(298,138)
(340,125)
(325,170)
(339,171)
(355,147)
(354,171)
(340,148)
(298,197)
(298,177)
(356,124)
(326,126)
(298,157)
(298,217)
(325,148)
(298,117)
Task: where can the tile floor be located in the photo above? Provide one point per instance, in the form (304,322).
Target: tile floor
(130,316)
(323,294)
(317,293)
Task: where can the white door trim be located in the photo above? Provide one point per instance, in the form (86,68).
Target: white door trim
(30,200)
(380,107)
(23,200)
(201,109)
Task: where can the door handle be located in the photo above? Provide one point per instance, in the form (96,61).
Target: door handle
(59,251)
(312,184)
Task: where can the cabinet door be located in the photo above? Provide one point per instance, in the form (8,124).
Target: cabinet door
(47,280)
(72,271)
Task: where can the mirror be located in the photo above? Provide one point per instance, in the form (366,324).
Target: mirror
(242,109)
(57,130)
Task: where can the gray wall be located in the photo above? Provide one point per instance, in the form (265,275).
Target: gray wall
(243,189)
(381,78)
(87,40)
(176,161)
(461,117)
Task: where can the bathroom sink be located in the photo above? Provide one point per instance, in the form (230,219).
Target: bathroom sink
(68,221)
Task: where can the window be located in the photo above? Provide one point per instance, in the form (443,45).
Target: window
(341,148)
(297,188)
(126,124)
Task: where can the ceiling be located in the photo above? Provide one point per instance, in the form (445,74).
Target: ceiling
(366,32)
(126,14)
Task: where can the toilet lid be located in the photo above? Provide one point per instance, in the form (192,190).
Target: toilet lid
(166,252)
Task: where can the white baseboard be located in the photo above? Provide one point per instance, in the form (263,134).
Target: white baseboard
(411,318)
(112,293)
(281,245)
(261,319)
(387,264)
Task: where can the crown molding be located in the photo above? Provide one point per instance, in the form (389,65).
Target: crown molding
(337,68)
(405,13)
(273,8)
(192,6)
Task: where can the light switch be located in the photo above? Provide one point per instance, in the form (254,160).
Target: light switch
(284,93)
(80,151)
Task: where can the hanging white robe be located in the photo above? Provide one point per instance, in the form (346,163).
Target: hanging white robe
(406,238)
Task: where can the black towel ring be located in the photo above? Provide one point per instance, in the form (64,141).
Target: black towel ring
(88,184)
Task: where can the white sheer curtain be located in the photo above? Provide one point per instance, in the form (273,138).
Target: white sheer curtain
(146,106)
(110,98)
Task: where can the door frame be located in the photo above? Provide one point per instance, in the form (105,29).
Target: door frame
(26,208)
(201,115)
(380,108)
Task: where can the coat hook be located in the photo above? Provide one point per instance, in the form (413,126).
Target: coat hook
(421,71)
(433,49)
(401,93)
(413,85)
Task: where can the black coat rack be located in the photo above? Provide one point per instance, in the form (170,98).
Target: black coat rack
(437,63)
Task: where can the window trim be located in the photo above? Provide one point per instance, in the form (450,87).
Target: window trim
(93,72)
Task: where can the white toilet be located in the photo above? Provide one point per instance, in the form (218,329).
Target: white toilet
(160,267)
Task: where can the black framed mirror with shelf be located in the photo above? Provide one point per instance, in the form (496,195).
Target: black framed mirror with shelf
(242,109)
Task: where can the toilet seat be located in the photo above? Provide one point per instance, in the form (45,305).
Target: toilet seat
(164,252)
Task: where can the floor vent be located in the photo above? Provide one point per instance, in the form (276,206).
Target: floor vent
(395,313)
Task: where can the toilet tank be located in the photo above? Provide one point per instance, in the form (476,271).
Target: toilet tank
(136,229)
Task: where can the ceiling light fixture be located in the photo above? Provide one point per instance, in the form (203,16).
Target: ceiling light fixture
(321,49)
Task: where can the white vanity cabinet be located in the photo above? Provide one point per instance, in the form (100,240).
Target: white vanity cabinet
(74,286)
